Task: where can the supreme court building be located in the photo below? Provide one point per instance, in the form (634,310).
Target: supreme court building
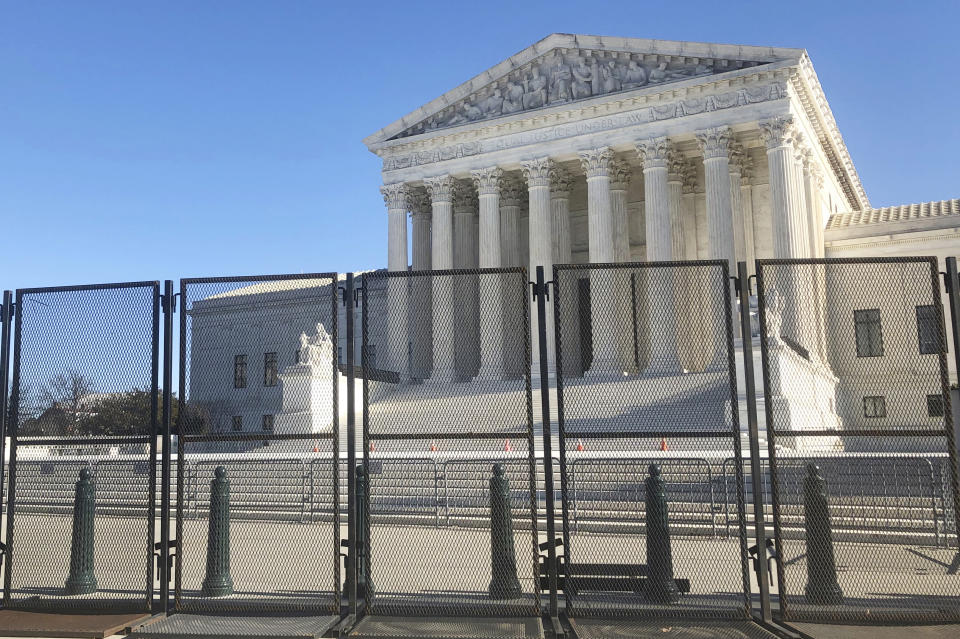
(599,149)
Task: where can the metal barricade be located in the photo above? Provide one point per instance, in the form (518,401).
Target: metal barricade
(856,394)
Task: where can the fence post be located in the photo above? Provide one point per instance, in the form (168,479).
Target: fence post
(364,585)
(503,557)
(82,580)
(218,582)
(822,586)
(660,585)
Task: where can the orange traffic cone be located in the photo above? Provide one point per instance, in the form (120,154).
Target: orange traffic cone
(372,448)
(433,447)
(663,443)
(580,445)
(316,448)
(506,445)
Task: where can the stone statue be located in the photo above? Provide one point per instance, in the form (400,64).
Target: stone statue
(472,111)
(610,77)
(316,350)
(633,76)
(560,80)
(774,308)
(583,78)
(659,74)
(513,99)
(703,69)
(493,104)
(535,90)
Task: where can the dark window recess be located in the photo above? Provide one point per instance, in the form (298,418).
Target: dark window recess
(269,369)
(935,405)
(369,353)
(869,332)
(240,371)
(268,423)
(874,406)
(237,423)
(928,330)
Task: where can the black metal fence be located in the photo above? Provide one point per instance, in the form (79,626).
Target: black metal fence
(858,472)
(258,431)
(856,385)
(85,368)
(468,395)
(645,368)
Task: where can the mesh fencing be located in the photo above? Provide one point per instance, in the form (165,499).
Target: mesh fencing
(860,437)
(648,413)
(82,495)
(258,451)
(447,415)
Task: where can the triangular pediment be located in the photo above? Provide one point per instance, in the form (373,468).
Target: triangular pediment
(565,68)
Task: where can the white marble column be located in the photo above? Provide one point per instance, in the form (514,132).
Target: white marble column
(464,310)
(786,209)
(715,146)
(746,202)
(395,197)
(490,286)
(421,324)
(812,178)
(512,191)
(541,250)
(440,189)
(569,353)
(736,203)
(675,168)
(620,173)
(689,201)
(661,282)
(603,315)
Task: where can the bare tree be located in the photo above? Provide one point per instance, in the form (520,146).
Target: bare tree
(65,395)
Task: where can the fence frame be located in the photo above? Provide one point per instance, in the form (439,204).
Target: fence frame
(150,439)
(772,432)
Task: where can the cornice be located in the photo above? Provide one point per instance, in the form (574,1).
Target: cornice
(810,94)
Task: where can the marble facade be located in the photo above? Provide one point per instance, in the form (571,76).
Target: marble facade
(617,150)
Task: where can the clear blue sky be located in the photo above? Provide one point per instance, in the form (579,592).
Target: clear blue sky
(165,139)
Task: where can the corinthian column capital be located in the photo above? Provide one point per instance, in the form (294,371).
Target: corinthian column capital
(654,152)
(737,156)
(620,174)
(395,195)
(419,202)
(464,195)
(778,132)
(715,142)
(440,188)
(560,182)
(537,171)
(676,165)
(596,162)
(511,192)
(488,180)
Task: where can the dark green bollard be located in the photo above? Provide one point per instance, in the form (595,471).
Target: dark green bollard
(218,582)
(364,582)
(82,581)
(503,556)
(660,585)
(822,586)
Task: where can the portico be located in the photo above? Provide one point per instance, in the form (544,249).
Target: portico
(619,150)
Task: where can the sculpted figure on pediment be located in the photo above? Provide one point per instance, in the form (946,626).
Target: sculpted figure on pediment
(493,104)
(535,90)
(633,76)
(561,79)
(610,77)
(513,98)
(583,78)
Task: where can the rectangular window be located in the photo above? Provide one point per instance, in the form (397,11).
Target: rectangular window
(240,371)
(237,423)
(935,405)
(269,369)
(268,423)
(874,406)
(928,330)
(869,333)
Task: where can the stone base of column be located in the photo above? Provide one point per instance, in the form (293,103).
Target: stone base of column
(605,370)
(663,366)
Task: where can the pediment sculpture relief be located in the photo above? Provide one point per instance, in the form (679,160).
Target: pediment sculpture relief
(568,75)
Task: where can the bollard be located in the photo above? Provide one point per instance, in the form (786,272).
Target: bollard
(822,586)
(364,582)
(660,585)
(81,580)
(217,582)
(503,557)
